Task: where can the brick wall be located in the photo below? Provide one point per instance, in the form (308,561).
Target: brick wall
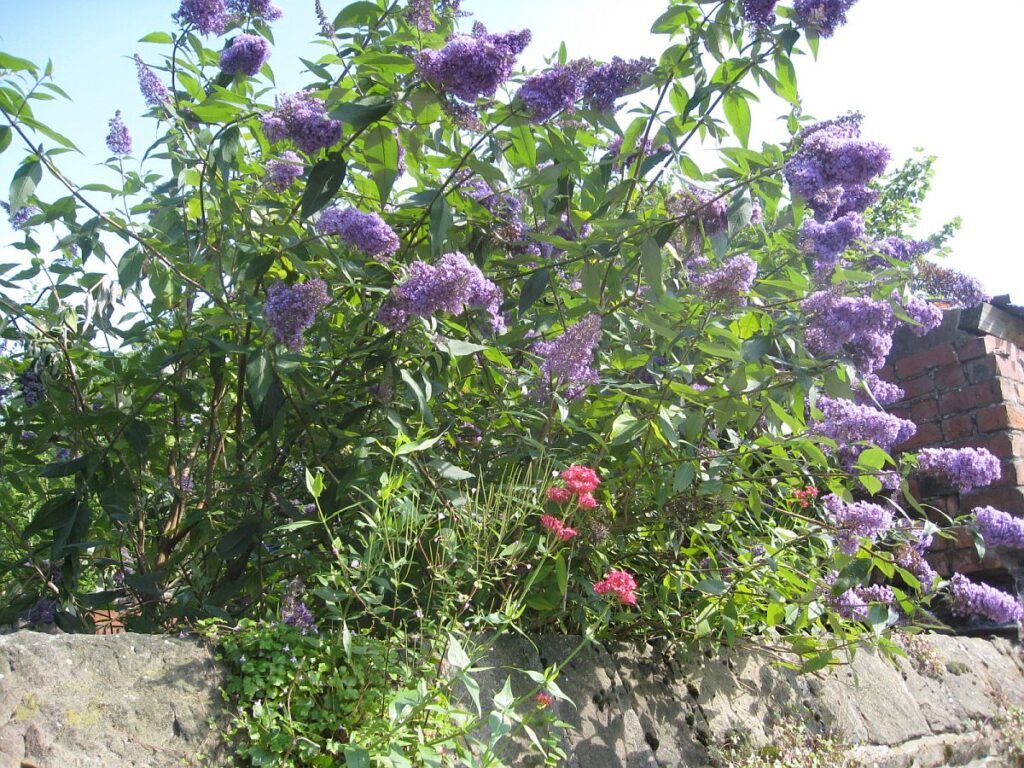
(964,385)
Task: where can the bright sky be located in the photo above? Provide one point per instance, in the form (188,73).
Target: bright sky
(926,73)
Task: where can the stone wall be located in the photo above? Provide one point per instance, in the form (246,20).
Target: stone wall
(964,385)
(141,700)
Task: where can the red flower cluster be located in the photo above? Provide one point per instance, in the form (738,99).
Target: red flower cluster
(545,700)
(618,583)
(580,482)
(558,528)
(804,496)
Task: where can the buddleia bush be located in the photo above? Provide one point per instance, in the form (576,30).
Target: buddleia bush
(551,346)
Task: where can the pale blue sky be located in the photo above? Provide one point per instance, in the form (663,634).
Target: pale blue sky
(925,73)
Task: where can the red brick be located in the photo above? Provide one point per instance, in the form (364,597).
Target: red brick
(1002,416)
(957,427)
(930,358)
(950,376)
(1008,499)
(916,386)
(886,373)
(966,561)
(900,411)
(990,366)
(963,539)
(970,397)
(1005,445)
(929,434)
(923,410)
(971,347)
(940,562)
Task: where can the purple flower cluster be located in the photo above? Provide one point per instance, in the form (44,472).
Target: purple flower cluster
(291,309)
(568,360)
(552,91)
(420,14)
(971,599)
(283,172)
(246,54)
(19,218)
(998,528)
(828,240)
(186,484)
(823,16)
(898,249)
(367,232)
(911,558)
(43,612)
(729,282)
(760,13)
(605,84)
(473,65)
(927,316)
(875,390)
(153,91)
(833,166)
(119,141)
(295,613)
(850,424)
(326,28)
(646,146)
(950,285)
(207,16)
(854,603)
(964,468)
(30,383)
(707,208)
(302,118)
(453,285)
(856,521)
(860,328)
(257,9)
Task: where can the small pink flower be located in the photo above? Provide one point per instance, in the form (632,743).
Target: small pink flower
(580,479)
(544,699)
(587,501)
(558,528)
(618,583)
(559,495)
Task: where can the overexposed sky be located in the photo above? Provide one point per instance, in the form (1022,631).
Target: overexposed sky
(926,73)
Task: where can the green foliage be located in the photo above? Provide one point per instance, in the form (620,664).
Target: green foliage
(192,439)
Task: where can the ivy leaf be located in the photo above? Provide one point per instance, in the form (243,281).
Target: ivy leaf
(323,184)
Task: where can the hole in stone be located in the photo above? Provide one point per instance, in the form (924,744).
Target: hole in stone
(652,741)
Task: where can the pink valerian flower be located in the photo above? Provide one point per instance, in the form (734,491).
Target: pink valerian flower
(558,494)
(544,700)
(620,584)
(587,501)
(580,479)
(557,528)
(805,496)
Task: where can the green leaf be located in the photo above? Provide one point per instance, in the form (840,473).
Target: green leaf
(737,112)
(684,476)
(356,757)
(362,112)
(314,484)
(456,655)
(651,261)
(5,137)
(855,574)
(66,468)
(130,267)
(626,428)
(323,184)
(533,289)
(459,348)
(712,587)
(417,446)
(157,37)
(15,64)
(356,14)
(139,434)
(449,471)
(26,178)
(524,146)
(441,220)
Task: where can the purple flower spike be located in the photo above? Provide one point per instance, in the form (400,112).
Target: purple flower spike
(207,16)
(999,529)
(291,309)
(302,118)
(473,65)
(246,55)
(856,521)
(982,600)
(367,232)
(568,361)
(119,141)
(965,468)
(153,91)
